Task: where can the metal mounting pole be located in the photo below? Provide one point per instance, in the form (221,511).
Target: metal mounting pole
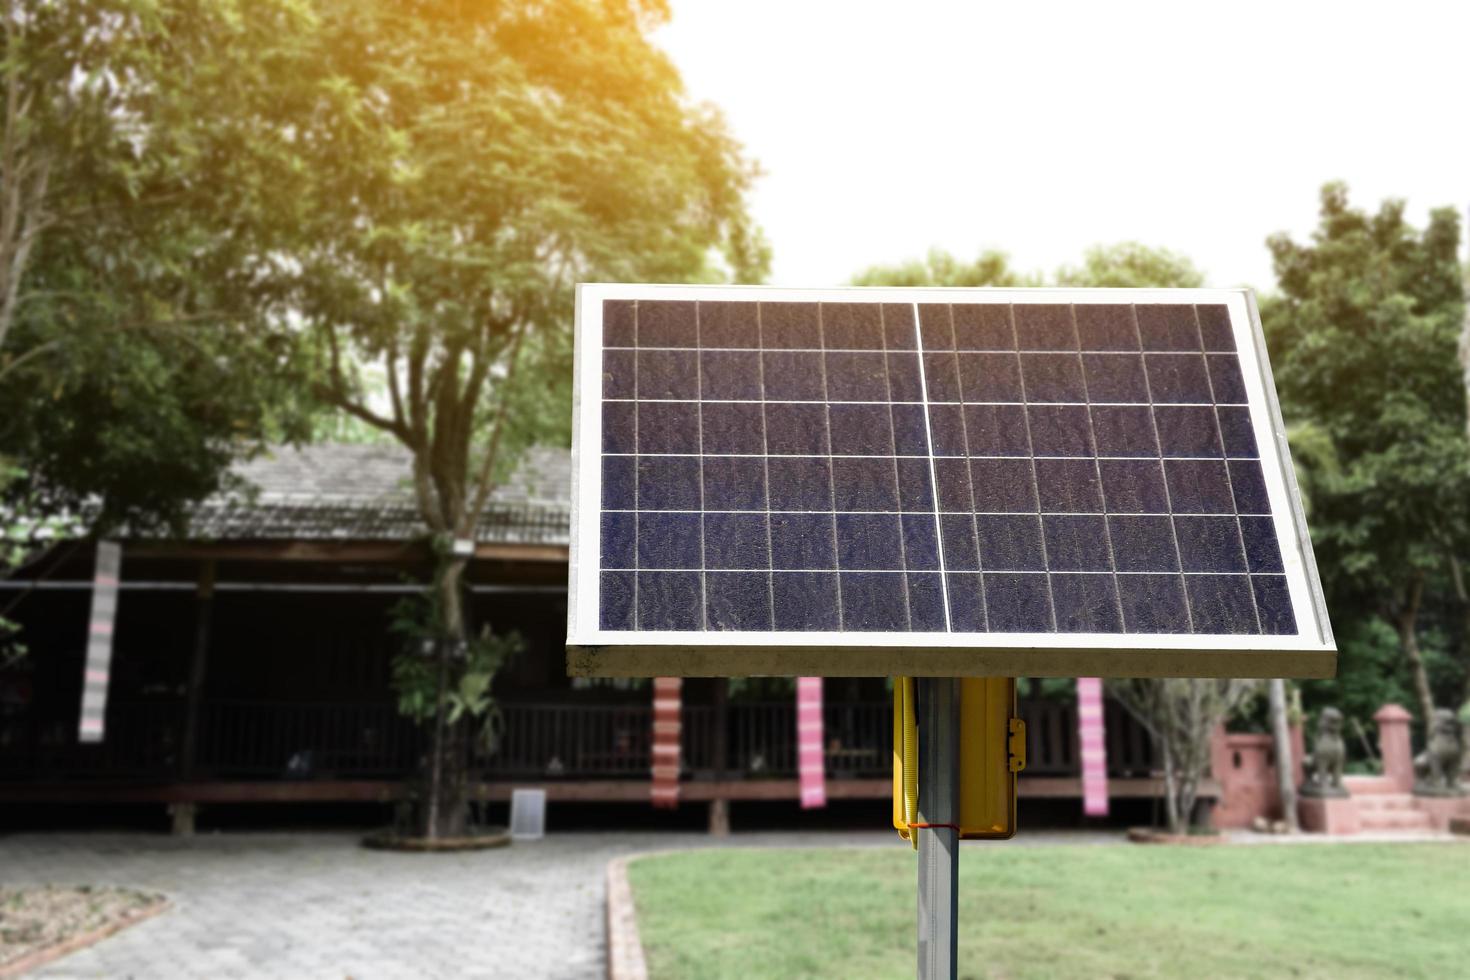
(939,847)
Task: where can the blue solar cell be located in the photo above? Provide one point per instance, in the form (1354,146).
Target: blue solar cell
(1068,486)
(926,602)
(852,326)
(947,426)
(936,327)
(983,326)
(619,377)
(1059,430)
(733,428)
(1115,378)
(1133,486)
(796,429)
(666,374)
(730,374)
(1143,544)
(910,430)
(1106,328)
(619,323)
(619,539)
(789,325)
(734,483)
(904,384)
(1250,487)
(1225,379)
(728,325)
(1017,603)
(1178,378)
(915,491)
(1273,604)
(942,376)
(805,601)
(1187,430)
(1238,432)
(1215,329)
(898,326)
(793,375)
(1209,544)
(1199,486)
(802,541)
(857,376)
(1044,326)
(1153,603)
(668,427)
(920,543)
(800,483)
(864,484)
(1124,430)
(1262,553)
(741,541)
(1076,544)
(667,323)
(957,531)
(619,427)
(669,601)
(668,483)
(952,480)
(860,430)
(989,377)
(874,602)
(966,602)
(1168,327)
(668,540)
(1010,542)
(1053,378)
(997,430)
(619,483)
(869,541)
(1003,485)
(1086,604)
(1221,603)
(737,601)
(615,611)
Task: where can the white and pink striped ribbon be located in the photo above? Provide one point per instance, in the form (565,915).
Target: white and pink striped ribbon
(667,728)
(97,673)
(810,763)
(1090,736)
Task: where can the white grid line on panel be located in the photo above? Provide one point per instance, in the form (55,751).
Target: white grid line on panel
(933,476)
(969,474)
(699,421)
(1097,468)
(831,475)
(903,544)
(766,445)
(1036,480)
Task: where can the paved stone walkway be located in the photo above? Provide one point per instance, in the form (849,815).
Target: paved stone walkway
(320,906)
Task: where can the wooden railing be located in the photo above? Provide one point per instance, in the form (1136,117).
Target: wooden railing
(336,740)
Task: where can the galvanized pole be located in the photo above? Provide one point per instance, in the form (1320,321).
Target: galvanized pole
(939,845)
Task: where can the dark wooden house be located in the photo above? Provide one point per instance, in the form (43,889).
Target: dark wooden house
(251,663)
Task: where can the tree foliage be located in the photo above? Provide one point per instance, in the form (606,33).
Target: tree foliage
(1363,339)
(940,268)
(1131,265)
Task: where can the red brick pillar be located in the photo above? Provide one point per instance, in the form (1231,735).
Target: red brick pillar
(1394,746)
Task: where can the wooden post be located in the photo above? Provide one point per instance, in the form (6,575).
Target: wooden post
(183,813)
(719,807)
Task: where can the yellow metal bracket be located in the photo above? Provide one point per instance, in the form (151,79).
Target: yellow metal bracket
(1016,745)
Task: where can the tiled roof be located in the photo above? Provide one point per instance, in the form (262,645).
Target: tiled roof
(337,491)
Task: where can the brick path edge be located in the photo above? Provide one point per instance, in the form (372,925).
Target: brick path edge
(624,948)
(66,947)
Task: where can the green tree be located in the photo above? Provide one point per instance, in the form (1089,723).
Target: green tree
(1363,341)
(428,182)
(940,268)
(1129,264)
(134,364)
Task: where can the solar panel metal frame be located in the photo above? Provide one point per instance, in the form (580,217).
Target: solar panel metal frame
(592,651)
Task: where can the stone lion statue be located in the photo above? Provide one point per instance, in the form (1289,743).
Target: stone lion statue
(1322,767)
(1437,768)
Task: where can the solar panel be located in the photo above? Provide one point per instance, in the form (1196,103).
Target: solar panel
(934,481)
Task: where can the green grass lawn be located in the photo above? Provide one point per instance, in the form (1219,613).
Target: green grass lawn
(1361,910)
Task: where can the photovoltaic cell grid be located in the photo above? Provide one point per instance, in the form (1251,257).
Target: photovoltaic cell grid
(934,467)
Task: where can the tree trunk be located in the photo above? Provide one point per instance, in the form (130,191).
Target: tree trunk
(1407,624)
(1285,763)
(1171,789)
(447,804)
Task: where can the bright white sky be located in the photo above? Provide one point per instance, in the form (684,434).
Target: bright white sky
(1042,128)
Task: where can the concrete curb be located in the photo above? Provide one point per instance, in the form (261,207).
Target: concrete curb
(66,947)
(624,948)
